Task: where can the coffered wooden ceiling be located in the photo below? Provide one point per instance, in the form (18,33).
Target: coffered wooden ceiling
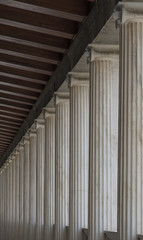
(40,41)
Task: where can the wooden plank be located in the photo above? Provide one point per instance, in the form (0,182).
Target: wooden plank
(14,105)
(28,56)
(9,92)
(11,111)
(43,10)
(8,126)
(21,67)
(11,116)
(3,133)
(4,128)
(36,29)
(7,83)
(14,109)
(32,44)
(16,99)
(22,78)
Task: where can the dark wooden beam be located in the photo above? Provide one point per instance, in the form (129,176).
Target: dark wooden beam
(6,124)
(7,83)
(16,99)
(5,129)
(42,10)
(3,133)
(28,56)
(6,111)
(12,108)
(22,78)
(36,29)
(16,105)
(32,44)
(9,92)
(22,67)
(97,18)
(11,116)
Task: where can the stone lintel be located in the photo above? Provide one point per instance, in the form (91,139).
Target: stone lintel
(111,235)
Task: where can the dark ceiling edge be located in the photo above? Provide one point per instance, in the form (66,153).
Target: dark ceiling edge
(97,18)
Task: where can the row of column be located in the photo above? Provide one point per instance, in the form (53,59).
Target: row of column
(64,171)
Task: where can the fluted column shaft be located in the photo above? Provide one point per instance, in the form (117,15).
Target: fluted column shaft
(79,154)
(131,122)
(62,165)
(21,189)
(16,194)
(26,187)
(13,197)
(103,140)
(32,183)
(40,164)
(49,197)
(10,198)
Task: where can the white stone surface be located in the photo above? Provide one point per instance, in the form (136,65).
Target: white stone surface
(40,164)
(62,165)
(49,189)
(32,183)
(103,140)
(21,189)
(79,154)
(131,122)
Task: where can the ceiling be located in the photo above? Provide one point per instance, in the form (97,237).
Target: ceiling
(40,42)
(34,36)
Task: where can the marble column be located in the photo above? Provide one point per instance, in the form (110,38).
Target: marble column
(10,198)
(49,193)
(32,184)
(103,140)
(62,165)
(40,162)
(21,189)
(13,196)
(16,194)
(131,121)
(79,154)
(26,187)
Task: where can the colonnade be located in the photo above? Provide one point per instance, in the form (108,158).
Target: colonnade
(80,164)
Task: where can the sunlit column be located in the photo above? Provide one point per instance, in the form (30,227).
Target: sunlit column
(79,154)
(40,162)
(32,183)
(103,140)
(49,193)
(131,121)
(62,165)
(21,189)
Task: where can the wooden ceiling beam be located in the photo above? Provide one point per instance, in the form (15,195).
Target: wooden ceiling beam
(22,78)
(25,68)
(10,84)
(8,126)
(32,44)
(11,120)
(29,57)
(6,133)
(11,111)
(36,29)
(16,99)
(13,108)
(5,129)
(43,10)
(18,94)
(14,105)
(11,116)
(2,136)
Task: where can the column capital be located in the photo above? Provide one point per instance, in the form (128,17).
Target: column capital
(61,97)
(128,10)
(103,52)
(49,111)
(32,130)
(78,79)
(26,138)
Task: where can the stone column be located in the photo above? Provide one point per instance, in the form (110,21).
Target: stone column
(79,154)
(49,197)
(16,194)
(131,121)
(21,189)
(40,162)
(13,196)
(26,187)
(32,184)
(62,165)
(10,198)
(103,140)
